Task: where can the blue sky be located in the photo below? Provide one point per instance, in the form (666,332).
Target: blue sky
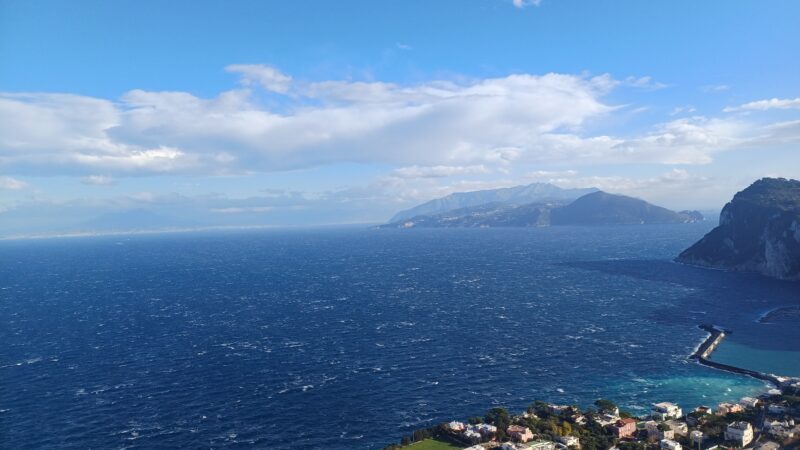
(244,113)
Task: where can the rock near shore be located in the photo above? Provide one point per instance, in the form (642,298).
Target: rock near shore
(759,231)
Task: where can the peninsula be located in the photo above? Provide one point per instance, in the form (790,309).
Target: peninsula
(555,208)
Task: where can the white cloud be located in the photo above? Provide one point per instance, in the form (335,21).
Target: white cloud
(623,184)
(434,123)
(268,77)
(644,83)
(686,141)
(64,131)
(492,123)
(763,105)
(676,188)
(715,88)
(12,184)
(524,3)
(144,197)
(438,171)
(682,109)
(98,180)
(551,174)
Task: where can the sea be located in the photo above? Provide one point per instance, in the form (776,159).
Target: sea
(350,338)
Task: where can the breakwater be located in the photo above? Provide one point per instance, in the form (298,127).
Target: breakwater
(715,336)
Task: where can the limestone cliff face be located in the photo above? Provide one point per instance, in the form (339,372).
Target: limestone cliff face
(759,231)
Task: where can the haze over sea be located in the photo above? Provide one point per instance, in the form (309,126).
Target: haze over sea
(349,338)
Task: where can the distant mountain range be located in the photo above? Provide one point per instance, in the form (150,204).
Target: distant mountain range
(517,195)
(759,231)
(554,206)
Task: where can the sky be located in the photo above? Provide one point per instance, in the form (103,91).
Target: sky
(208,113)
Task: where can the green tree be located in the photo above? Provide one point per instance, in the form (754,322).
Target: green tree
(604,405)
(540,408)
(500,418)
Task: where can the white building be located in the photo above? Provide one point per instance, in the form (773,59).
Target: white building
(665,411)
(678,427)
(541,445)
(479,432)
(570,441)
(485,429)
(697,437)
(607,419)
(669,444)
(472,435)
(512,446)
(739,432)
(781,430)
(457,426)
(558,409)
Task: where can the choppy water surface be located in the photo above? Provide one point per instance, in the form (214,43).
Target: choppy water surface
(351,338)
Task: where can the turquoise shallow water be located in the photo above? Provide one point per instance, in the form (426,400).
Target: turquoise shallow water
(786,363)
(350,338)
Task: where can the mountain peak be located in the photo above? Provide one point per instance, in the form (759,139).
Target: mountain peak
(515,195)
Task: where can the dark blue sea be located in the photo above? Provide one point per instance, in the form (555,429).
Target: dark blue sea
(351,338)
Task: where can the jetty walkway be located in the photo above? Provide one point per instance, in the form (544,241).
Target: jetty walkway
(715,336)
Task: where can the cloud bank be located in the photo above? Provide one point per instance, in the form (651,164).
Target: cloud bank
(763,105)
(11,184)
(274,122)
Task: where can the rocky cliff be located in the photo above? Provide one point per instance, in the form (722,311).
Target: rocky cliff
(759,231)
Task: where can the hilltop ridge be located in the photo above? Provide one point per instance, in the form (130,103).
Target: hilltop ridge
(595,208)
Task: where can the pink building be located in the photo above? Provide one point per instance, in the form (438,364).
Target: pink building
(728,408)
(625,428)
(519,433)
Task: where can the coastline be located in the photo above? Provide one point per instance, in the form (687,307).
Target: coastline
(477,430)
